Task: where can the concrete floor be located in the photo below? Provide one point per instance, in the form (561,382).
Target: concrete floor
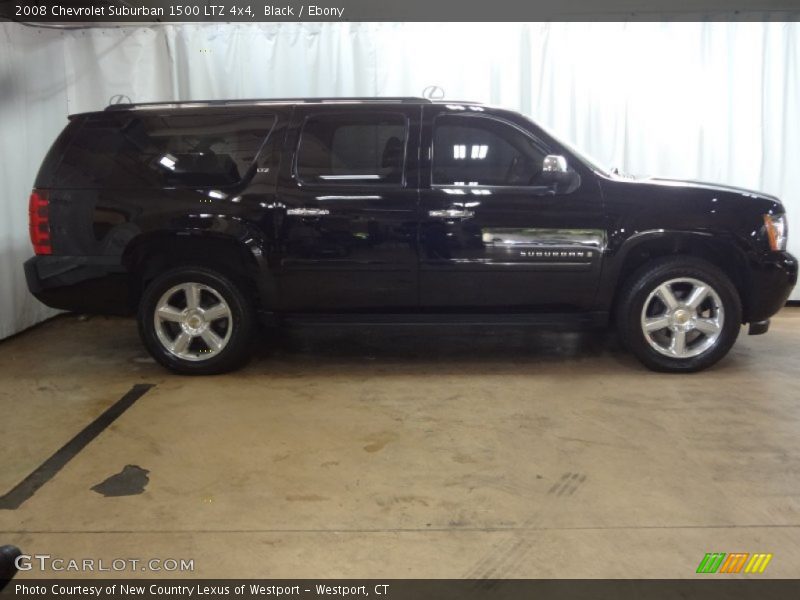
(389,453)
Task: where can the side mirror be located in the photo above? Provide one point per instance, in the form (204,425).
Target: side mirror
(554,163)
(556,172)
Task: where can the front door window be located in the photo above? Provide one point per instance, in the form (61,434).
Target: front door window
(479,151)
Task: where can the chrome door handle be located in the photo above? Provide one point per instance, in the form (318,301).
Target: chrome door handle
(308,212)
(452,213)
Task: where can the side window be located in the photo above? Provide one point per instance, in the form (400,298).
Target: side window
(129,150)
(365,148)
(483,151)
(205,151)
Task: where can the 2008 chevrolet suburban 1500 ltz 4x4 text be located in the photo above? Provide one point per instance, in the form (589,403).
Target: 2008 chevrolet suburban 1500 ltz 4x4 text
(205,216)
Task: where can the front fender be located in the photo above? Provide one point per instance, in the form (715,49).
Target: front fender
(624,255)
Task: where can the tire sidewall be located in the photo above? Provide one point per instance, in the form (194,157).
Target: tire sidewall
(238,347)
(642,285)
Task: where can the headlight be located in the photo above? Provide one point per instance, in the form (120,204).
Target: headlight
(776,231)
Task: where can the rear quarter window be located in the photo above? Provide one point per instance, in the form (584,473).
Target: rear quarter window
(129,150)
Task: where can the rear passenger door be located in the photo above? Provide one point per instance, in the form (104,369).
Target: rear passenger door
(347,199)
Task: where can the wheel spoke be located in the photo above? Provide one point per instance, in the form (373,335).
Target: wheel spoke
(218,311)
(181,343)
(656,323)
(678,345)
(212,340)
(699,293)
(169,313)
(707,326)
(192,291)
(664,292)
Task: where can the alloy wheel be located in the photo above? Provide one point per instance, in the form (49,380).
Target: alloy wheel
(682,318)
(192,321)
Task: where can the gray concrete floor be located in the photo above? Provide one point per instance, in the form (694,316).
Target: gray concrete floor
(389,453)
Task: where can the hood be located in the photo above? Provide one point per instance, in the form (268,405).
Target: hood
(714,187)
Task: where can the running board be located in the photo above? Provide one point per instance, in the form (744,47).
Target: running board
(541,320)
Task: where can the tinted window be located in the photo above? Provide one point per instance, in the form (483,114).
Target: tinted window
(363,148)
(483,151)
(164,151)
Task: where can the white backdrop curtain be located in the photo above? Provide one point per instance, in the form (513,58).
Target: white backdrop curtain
(713,101)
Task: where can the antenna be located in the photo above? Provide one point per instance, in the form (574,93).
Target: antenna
(119,99)
(433,92)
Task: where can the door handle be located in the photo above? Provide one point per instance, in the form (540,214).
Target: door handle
(308,212)
(452,213)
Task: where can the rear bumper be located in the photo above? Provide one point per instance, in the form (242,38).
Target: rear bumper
(772,280)
(89,284)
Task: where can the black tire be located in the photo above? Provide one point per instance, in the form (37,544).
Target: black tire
(644,282)
(217,290)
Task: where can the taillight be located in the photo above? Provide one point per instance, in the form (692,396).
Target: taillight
(39,222)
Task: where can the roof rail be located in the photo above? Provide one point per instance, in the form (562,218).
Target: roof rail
(257,101)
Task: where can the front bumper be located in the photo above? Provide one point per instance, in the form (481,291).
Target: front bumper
(87,284)
(772,279)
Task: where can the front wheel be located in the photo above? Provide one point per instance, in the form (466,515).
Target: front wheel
(196,321)
(679,314)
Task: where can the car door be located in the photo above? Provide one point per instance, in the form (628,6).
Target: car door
(348,198)
(495,233)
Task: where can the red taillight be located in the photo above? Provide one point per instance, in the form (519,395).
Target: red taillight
(39,222)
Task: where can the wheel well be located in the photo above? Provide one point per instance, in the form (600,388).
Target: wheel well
(721,256)
(146,258)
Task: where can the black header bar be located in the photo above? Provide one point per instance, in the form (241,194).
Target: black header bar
(77,12)
(710,588)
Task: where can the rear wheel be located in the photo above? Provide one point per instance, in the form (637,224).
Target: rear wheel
(679,314)
(196,321)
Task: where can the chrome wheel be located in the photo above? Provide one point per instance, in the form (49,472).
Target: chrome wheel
(682,318)
(193,321)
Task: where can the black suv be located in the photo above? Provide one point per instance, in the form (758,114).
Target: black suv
(206,217)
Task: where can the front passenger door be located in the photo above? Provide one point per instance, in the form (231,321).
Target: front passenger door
(495,233)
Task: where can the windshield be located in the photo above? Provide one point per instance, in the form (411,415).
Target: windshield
(589,160)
